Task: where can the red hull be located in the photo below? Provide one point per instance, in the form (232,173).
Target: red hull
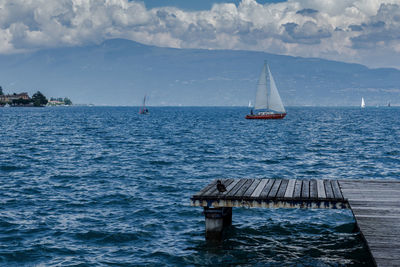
(266,117)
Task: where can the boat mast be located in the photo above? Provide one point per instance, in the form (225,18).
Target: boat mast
(268,84)
(144,102)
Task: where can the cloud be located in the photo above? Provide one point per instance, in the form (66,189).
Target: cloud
(308,33)
(382,30)
(341,30)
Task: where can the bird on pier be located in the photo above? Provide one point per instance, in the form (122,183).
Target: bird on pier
(220,186)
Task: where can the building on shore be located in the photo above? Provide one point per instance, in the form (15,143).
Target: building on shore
(10,98)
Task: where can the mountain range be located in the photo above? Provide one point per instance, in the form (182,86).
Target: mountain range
(121,72)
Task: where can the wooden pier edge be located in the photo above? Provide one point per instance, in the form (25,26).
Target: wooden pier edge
(375,205)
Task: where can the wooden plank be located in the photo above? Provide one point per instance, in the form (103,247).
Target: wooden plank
(336,190)
(205,189)
(375,181)
(260,187)
(243,189)
(267,188)
(297,189)
(386,253)
(371,203)
(375,212)
(274,189)
(374,193)
(305,192)
(233,191)
(328,189)
(252,187)
(387,262)
(321,189)
(290,188)
(282,188)
(313,189)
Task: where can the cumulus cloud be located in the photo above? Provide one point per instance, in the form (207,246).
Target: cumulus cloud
(331,29)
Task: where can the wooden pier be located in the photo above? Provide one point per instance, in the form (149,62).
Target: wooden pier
(375,205)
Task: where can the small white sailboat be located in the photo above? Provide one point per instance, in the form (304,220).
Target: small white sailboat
(362,102)
(268,101)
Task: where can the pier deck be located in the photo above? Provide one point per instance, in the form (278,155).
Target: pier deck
(375,205)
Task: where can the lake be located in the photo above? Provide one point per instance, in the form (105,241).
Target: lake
(106,186)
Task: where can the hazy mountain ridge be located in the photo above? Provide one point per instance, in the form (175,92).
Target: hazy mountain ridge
(120,72)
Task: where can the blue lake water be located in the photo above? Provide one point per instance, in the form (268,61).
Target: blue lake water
(106,186)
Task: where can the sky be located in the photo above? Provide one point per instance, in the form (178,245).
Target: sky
(359,31)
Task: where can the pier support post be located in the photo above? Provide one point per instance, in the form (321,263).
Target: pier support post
(216,220)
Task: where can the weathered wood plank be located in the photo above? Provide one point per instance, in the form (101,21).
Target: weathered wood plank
(305,192)
(313,189)
(387,262)
(336,190)
(374,204)
(274,189)
(205,189)
(290,188)
(260,187)
(321,189)
(233,191)
(374,193)
(297,189)
(243,189)
(267,188)
(328,189)
(251,188)
(282,188)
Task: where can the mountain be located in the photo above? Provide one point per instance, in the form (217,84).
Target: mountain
(121,72)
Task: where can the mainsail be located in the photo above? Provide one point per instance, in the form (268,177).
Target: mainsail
(261,95)
(268,99)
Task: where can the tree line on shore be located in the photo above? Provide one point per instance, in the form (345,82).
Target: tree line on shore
(23,99)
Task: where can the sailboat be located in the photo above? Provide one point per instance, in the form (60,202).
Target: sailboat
(144,110)
(268,102)
(362,102)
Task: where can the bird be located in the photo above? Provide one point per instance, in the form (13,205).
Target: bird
(220,186)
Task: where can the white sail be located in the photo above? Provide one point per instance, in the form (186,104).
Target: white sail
(362,102)
(268,99)
(275,102)
(261,95)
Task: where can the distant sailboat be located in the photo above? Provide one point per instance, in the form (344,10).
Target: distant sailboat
(388,104)
(362,102)
(268,102)
(144,110)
